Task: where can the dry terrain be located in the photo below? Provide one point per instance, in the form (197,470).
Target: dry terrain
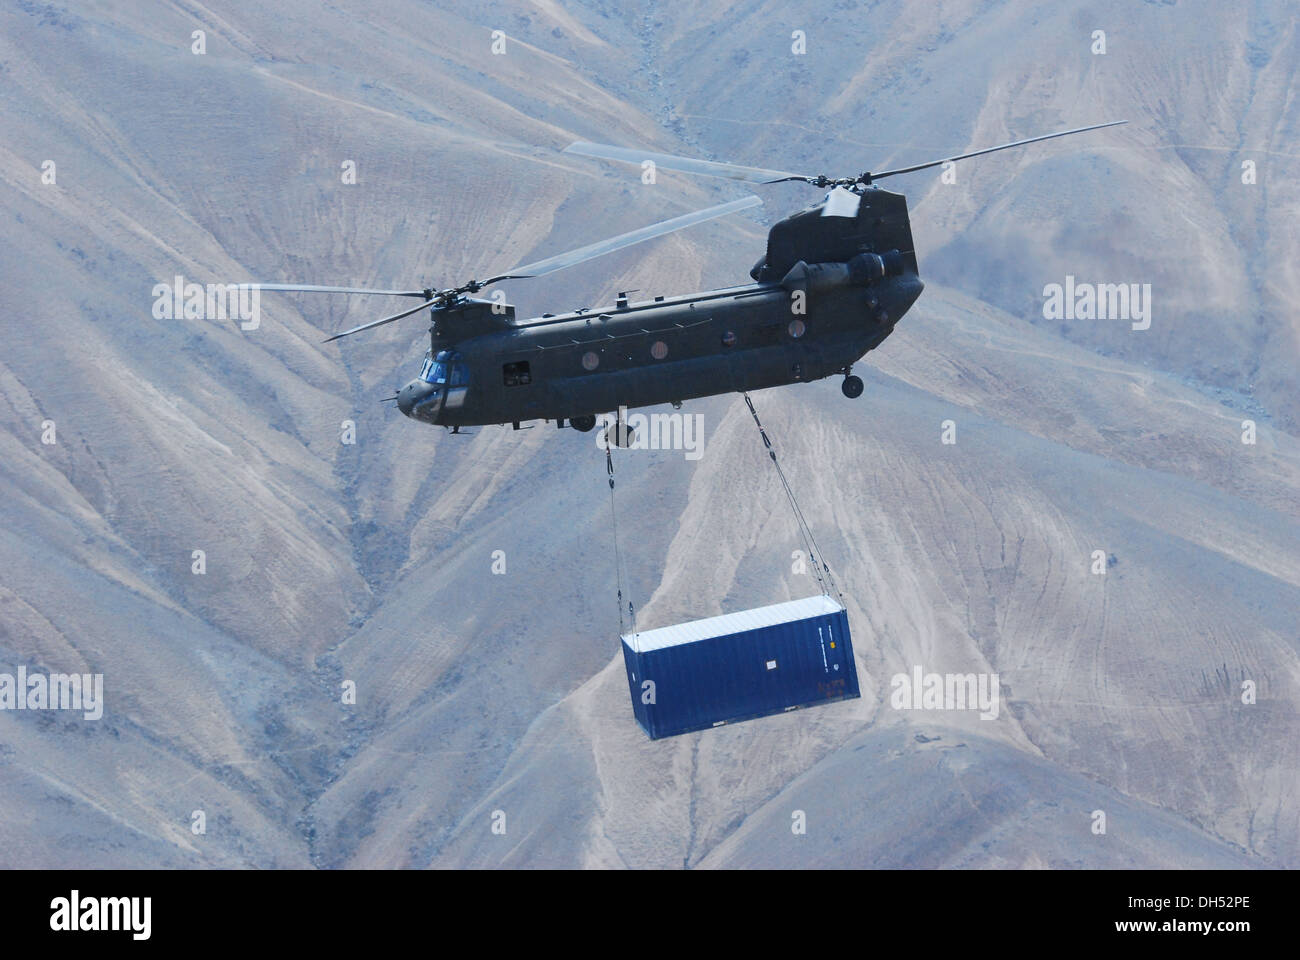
(371,562)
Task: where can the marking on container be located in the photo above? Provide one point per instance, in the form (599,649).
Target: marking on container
(771,664)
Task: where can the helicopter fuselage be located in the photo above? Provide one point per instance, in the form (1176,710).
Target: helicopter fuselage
(659,351)
(829,289)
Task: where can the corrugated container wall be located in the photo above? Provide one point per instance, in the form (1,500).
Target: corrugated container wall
(740,666)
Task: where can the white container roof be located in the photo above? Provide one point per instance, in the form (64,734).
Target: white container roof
(729,623)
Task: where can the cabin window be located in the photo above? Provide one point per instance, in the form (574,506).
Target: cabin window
(658,349)
(729,339)
(516,374)
(590,361)
(797,328)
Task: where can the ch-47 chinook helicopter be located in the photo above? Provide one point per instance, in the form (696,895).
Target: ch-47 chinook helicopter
(834,281)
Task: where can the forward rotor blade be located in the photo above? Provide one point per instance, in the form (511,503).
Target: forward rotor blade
(978,153)
(707,168)
(306,288)
(379,323)
(591,251)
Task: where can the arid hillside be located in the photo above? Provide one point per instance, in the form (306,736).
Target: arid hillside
(387,144)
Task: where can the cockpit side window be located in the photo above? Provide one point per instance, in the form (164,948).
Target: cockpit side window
(434,371)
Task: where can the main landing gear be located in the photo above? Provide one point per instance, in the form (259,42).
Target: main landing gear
(584,423)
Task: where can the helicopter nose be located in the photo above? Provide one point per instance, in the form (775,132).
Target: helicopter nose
(413,399)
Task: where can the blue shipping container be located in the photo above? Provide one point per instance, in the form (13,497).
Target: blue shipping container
(740,666)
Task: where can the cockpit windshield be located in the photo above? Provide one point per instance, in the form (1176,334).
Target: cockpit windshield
(446,365)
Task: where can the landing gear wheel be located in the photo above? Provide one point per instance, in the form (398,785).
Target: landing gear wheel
(852,387)
(583,424)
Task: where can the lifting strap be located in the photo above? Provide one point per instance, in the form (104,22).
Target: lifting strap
(822,572)
(618,561)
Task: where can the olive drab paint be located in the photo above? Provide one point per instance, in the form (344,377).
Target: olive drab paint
(852,276)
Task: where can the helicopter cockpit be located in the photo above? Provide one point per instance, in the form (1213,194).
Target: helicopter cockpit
(444,368)
(442,384)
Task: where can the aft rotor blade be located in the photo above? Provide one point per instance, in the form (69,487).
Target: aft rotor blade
(591,251)
(380,323)
(307,288)
(480,284)
(707,168)
(966,156)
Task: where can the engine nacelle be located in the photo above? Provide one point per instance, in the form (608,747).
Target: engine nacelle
(862,271)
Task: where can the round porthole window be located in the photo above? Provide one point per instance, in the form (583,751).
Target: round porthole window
(728,339)
(659,350)
(796,328)
(590,361)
